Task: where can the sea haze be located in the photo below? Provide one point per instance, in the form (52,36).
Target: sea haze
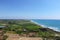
(52,24)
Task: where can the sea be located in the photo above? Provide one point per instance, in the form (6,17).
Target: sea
(52,24)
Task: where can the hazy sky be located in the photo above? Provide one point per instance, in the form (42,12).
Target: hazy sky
(30,9)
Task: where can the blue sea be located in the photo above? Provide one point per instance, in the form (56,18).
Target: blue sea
(52,24)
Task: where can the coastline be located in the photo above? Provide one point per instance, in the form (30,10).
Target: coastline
(50,27)
(38,24)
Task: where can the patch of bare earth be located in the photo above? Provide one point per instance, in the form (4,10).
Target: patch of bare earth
(12,36)
(23,38)
(17,37)
(30,38)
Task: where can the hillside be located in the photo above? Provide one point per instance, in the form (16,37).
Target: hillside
(28,29)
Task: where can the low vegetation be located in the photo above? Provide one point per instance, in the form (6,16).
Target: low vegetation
(27,27)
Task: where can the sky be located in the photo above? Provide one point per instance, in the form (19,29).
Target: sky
(29,9)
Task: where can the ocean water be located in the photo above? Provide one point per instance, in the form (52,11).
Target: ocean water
(52,24)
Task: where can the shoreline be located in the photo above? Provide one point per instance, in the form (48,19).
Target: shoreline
(50,27)
(38,24)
